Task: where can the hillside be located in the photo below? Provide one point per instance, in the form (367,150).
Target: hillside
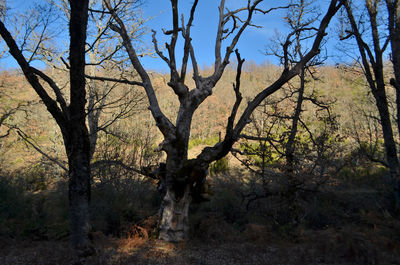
(244,222)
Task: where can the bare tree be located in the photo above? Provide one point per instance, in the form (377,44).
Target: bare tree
(373,39)
(70,118)
(263,149)
(107,102)
(180,175)
(300,18)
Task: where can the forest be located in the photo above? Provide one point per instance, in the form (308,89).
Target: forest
(294,160)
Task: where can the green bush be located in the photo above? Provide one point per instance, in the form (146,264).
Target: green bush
(207,141)
(219,166)
(365,174)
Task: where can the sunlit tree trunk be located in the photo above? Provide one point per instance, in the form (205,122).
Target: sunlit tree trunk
(174,214)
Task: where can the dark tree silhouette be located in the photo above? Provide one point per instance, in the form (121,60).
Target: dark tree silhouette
(70,118)
(372,43)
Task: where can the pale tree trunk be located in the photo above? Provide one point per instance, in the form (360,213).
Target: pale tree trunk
(174,215)
(175,191)
(178,190)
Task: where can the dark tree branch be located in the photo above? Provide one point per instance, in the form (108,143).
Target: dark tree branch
(53,85)
(254,138)
(221,149)
(186,35)
(363,47)
(106,162)
(51,104)
(116,80)
(238,95)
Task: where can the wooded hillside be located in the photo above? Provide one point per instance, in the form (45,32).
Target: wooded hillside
(234,163)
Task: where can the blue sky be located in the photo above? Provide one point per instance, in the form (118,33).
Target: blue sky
(251,46)
(253,42)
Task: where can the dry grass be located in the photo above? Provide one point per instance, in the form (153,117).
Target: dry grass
(353,244)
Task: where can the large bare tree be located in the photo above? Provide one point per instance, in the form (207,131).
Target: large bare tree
(70,117)
(180,176)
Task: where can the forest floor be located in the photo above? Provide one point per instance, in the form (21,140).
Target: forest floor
(350,226)
(351,245)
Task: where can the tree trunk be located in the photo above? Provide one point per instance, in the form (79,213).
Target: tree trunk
(174,214)
(389,142)
(178,193)
(77,136)
(289,152)
(395,44)
(79,189)
(79,209)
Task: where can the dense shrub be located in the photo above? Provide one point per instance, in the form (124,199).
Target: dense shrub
(219,166)
(44,214)
(32,214)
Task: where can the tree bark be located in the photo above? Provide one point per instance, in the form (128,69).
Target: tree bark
(180,184)
(372,63)
(78,152)
(174,214)
(77,138)
(389,142)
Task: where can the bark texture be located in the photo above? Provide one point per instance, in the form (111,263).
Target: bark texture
(174,221)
